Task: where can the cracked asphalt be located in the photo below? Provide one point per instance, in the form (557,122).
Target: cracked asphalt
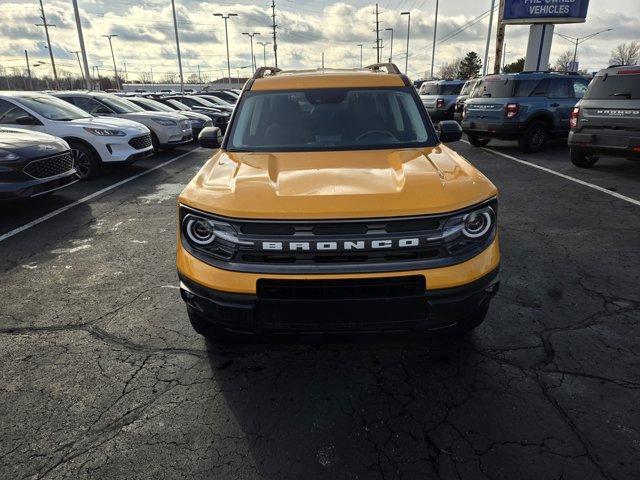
(103,378)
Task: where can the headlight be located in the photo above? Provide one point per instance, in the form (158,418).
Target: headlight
(105,132)
(470,231)
(212,237)
(6,156)
(165,121)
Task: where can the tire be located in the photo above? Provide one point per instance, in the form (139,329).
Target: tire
(583,159)
(155,142)
(85,160)
(208,330)
(478,141)
(535,137)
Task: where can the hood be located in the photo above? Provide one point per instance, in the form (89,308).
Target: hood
(146,115)
(30,143)
(196,116)
(354,184)
(110,122)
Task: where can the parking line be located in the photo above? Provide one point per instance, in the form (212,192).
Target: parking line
(60,210)
(562,175)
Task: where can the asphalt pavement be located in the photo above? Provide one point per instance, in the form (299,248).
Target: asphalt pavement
(103,378)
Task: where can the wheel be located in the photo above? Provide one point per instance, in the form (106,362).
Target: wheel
(534,137)
(155,142)
(478,141)
(208,330)
(85,160)
(582,159)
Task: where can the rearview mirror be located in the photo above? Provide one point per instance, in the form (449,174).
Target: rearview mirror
(449,131)
(210,137)
(27,120)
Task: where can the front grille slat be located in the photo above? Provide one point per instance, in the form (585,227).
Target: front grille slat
(50,166)
(143,141)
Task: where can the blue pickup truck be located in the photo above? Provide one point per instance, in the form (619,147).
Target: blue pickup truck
(531,108)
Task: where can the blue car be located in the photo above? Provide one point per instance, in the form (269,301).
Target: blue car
(531,108)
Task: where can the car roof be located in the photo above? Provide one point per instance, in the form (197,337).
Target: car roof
(531,76)
(444,82)
(326,78)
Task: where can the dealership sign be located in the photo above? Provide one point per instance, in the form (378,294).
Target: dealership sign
(545,11)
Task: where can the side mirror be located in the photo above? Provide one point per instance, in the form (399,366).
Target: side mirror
(210,137)
(27,120)
(449,131)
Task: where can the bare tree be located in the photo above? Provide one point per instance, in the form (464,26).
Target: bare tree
(564,61)
(193,78)
(146,77)
(450,70)
(170,78)
(625,54)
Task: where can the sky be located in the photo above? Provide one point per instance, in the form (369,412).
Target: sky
(306,28)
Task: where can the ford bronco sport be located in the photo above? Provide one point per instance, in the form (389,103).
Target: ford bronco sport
(333,205)
(607,120)
(530,107)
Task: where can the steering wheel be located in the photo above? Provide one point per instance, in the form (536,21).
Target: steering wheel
(383,133)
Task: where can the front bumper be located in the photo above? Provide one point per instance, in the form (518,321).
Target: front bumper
(35,188)
(237,302)
(351,310)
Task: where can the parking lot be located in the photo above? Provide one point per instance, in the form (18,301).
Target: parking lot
(103,376)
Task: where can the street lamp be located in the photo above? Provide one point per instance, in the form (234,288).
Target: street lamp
(391,47)
(226,34)
(264,52)
(406,61)
(115,70)
(251,35)
(580,40)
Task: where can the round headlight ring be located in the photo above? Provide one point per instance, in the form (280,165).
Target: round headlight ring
(200,231)
(477,224)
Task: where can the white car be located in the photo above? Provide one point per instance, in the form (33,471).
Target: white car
(168,129)
(94,141)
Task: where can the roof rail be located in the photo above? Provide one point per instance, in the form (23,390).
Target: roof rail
(390,67)
(262,72)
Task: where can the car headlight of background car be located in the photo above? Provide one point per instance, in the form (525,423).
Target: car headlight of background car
(105,132)
(6,156)
(165,121)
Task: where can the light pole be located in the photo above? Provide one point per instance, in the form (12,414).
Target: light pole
(115,70)
(391,44)
(406,60)
(226,35)
(175,27)
(360,45)
(486,50)
(251,35)
(435,31)
(264,52)
(77,52)
(85,73)
(580,40)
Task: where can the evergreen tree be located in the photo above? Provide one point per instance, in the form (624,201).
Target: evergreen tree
(470,66)
(515,67)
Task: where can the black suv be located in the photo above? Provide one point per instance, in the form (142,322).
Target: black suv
(530,107)
(607,120)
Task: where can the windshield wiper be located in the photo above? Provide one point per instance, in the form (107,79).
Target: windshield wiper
(625,95)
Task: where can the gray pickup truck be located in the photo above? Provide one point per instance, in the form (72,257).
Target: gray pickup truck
(607,119)
(439,98)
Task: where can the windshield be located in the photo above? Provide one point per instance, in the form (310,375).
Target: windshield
(614,87)
(152,105)
(329,119)
(433,88)
(201,101)
(468,87)
(216,100)
(178,105)
(501,87)
(53,108)
(120,105)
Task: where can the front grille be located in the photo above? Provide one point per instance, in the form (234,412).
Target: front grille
(143,141)
(351,289)
(50,166)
